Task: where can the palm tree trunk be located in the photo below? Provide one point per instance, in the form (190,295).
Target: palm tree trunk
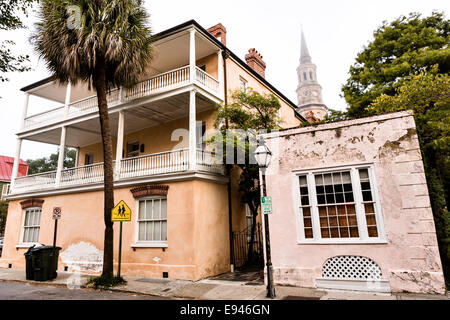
(100,85)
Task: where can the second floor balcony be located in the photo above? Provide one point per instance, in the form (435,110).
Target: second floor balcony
(175,161)
(165,82)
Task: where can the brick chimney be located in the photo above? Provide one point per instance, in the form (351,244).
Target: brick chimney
(219,32)
(310,117)
(255,61)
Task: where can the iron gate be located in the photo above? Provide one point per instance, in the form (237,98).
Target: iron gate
(241,247)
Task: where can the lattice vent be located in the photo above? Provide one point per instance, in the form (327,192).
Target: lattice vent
(351,267)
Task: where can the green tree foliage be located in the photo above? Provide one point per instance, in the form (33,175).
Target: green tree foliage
(248,114)
(408,45)
(10,20)
(105,43)
(428,96)
(50,163)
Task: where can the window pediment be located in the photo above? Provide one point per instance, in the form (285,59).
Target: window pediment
(31,203)
(150,190)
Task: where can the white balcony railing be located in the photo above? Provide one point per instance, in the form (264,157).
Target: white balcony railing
(82,175)
(152,164)
(34,182)
(159,163)
(161,83)
(207,81)
(208,161)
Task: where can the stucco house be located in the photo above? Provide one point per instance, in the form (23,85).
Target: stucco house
(181,220)
(351,208)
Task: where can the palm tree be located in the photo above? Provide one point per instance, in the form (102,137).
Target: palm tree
(105,43)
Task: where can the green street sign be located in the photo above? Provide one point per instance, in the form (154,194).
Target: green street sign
(266,205)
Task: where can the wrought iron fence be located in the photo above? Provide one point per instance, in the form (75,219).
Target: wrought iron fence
(242,244)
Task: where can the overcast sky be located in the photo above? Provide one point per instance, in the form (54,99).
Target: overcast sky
(335,32)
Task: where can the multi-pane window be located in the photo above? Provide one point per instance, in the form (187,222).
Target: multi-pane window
(306,207)
(31,225)
(152,220)
(369,203)
(338,204)
(4,191)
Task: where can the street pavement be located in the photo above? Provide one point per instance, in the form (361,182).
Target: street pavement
(13,285)
(27,291)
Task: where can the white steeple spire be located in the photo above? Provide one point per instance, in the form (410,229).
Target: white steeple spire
(309,91)
(304,57)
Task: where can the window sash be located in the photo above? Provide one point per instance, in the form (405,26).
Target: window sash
(147,220)
(31,225)
(364,227)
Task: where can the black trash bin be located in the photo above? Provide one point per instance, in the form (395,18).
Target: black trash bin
(29,271)
(45,262)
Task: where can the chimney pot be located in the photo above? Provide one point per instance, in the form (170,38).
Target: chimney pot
(255,61)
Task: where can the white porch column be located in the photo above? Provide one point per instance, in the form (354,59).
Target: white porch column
(119,149)
(220,75)
(25,110)
(67,101)
(77,155)
(62,148)
(15,169)
(192,58)
(192,132)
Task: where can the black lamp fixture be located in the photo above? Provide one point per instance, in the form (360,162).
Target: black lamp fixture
(263,156)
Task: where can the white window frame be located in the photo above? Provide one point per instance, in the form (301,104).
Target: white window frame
(244,82)
(360,213)
(22,229)
(4,191)
(148,244)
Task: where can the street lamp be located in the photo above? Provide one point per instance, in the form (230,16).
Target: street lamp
(263,156)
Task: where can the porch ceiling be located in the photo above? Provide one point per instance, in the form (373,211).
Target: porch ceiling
(137,118)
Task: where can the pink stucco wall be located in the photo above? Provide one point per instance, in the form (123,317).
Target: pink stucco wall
(410,258)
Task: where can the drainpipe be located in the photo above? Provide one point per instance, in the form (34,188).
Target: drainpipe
(228,167)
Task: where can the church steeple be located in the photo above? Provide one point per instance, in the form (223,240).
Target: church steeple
(309,91)
(304,57)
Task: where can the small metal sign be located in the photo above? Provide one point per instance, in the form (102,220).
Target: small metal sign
(266,205)
(56,213)
(121,212)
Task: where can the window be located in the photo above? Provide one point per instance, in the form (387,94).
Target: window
(304,76)
(338,206)
(89,159)
(311,75)
(243,84)
(133,149)
(4,191)
(31,225)
(152,220)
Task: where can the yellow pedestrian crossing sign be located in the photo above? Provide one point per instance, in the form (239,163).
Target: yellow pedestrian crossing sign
(121,212)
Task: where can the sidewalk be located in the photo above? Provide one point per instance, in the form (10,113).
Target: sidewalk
(213,289)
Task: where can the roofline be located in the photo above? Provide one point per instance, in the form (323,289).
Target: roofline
(168,32)
(38,83)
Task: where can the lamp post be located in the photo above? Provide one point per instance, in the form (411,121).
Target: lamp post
(263,156)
